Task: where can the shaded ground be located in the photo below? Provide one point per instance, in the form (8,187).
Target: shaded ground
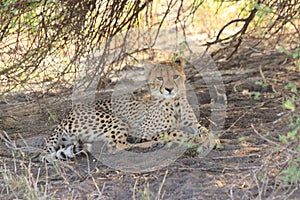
(245,166)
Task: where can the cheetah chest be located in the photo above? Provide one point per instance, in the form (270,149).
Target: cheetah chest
(155,117)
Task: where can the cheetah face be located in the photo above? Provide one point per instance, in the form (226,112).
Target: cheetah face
(166,79)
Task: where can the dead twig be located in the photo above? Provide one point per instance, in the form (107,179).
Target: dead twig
(239,35)
(159,196)
(271,141)
(10,144)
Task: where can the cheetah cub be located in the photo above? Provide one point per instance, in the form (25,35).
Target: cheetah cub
(164,115)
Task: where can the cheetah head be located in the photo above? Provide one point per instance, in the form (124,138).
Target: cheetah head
(167,79)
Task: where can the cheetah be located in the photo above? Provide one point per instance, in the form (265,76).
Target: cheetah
(164,115)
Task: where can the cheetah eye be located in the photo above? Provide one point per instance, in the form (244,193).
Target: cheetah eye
(176,76)
(160,78)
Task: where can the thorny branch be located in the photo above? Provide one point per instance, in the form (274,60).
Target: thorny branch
(35,35)
(283,13)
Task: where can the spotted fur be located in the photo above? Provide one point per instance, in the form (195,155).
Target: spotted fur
(163,116)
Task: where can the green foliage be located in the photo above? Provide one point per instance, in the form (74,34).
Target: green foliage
(256,94)
(292,173)
(292,138)
(291,102)
(263,16)
(295,54)
(262,9)
(261,83)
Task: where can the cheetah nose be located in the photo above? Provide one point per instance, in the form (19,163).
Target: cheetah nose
(169,89)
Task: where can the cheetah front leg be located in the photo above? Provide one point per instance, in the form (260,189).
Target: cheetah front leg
(61,145)
(201,138)
(174,136)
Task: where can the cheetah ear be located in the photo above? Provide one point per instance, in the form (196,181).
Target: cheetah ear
(180,64)
(180,61)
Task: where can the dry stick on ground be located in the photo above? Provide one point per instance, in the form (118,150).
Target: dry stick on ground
(272,142)
(159,196)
